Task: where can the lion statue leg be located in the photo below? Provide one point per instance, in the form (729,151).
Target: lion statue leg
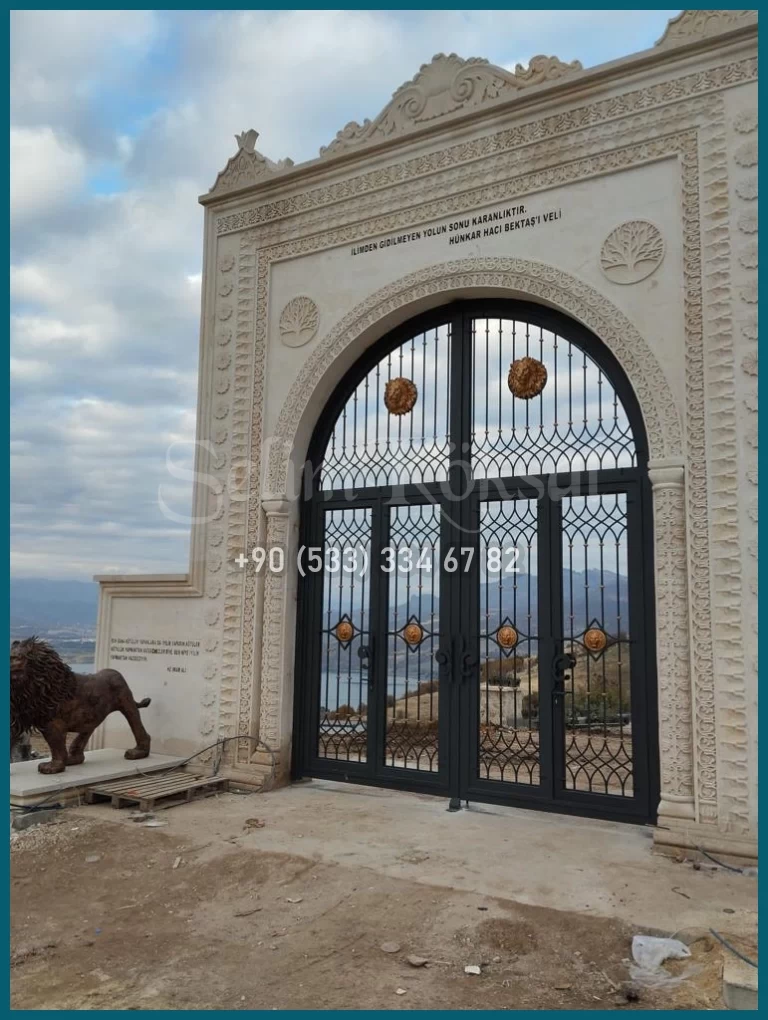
(130,709)
(56,738)
(76,754)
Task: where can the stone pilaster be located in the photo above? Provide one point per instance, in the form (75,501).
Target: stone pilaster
(673,642)
(274,728)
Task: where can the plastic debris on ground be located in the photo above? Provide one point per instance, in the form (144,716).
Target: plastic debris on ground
(649,953)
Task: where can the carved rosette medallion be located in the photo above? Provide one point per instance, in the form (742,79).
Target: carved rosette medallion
(400,395)
(299,321)
(745,122)
(527,378)
(746,154)
(632,251)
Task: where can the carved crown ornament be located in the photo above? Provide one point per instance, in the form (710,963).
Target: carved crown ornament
(445,87)
(450,86)
(690,25)
(247,166)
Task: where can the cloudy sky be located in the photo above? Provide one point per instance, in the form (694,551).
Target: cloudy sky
(119,120)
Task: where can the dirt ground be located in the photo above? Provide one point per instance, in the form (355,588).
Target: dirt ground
(114,915)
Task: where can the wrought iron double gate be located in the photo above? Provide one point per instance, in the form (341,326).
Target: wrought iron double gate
(475,606)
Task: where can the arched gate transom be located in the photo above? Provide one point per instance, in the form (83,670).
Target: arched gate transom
(476,605)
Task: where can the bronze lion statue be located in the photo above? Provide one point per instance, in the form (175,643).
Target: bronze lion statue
(48,696)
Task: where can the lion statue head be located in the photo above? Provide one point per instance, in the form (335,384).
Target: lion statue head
(40,682)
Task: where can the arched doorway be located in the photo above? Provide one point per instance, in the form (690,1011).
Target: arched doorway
(476,605)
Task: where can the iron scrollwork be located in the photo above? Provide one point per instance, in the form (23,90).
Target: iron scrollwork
(455,663)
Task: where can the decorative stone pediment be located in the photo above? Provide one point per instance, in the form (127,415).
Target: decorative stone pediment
(247,166)
(690,25)
(447,86)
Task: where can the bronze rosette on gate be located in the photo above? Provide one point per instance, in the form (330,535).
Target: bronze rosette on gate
(527,378)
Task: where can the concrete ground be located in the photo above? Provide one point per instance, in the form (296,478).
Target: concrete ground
(293,899)
(606,869)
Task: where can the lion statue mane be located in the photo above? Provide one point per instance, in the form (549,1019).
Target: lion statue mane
(49,697)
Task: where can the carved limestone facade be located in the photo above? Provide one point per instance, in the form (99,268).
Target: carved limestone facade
(641,179)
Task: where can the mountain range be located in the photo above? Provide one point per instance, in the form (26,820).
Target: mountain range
(44,606)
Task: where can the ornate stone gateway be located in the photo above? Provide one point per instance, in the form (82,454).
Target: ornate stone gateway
(511,318)
(477,608)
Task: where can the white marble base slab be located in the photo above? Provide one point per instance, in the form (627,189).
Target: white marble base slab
(28,786)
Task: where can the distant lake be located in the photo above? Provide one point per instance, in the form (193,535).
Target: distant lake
(82,667)
(351,688)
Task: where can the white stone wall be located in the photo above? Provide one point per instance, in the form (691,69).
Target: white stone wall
(164,649)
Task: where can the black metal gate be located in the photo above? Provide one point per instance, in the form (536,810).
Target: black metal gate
(476,605)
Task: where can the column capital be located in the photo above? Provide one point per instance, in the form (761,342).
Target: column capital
(275,504)
(666,471)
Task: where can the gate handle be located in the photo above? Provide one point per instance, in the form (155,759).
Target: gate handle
(467,660)
(444,660)
(365,653)
(559,665)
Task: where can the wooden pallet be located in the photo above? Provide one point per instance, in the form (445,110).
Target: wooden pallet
(162,790)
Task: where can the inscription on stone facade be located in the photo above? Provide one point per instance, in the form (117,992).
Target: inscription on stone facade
(472,227)
(138,649)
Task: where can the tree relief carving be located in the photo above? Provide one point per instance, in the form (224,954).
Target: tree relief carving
(298,321)
(632,252)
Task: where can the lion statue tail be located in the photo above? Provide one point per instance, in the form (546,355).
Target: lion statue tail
(143,703)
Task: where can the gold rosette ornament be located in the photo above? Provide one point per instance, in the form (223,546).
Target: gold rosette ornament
(527,378)
(413,633)
(595,640)
(506,636)
(400,395)
(344,631)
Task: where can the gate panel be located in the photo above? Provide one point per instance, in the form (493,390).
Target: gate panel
(342,731)
(509,746)
(483,623)
(597,698)
(410,565)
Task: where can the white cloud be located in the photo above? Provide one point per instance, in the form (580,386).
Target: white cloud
(45,171)
(63,58)
(105,279)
